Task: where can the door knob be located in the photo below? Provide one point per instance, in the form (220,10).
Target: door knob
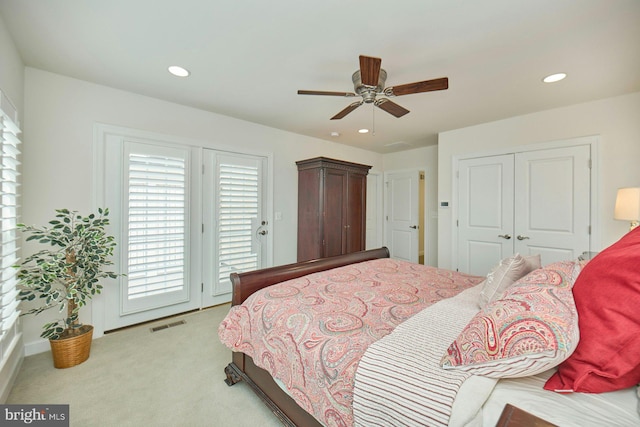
(521,237)
(262,232)
(415,227)
(505,236)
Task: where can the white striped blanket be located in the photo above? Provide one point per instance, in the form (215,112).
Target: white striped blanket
(399,381)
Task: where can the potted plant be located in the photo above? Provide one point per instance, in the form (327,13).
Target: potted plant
(66,275)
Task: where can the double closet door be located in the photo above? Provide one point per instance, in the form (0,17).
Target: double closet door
(534,202)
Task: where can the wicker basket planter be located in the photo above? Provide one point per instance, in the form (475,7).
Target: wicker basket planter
(73,350)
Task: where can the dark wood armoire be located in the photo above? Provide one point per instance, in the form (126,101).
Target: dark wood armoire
(331,207)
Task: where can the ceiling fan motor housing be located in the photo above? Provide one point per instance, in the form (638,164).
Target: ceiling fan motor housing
(368,93)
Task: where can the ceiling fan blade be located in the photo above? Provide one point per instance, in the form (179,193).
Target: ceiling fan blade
(370,70)
(391,107)
(347,110)
(418,87)
(321,92)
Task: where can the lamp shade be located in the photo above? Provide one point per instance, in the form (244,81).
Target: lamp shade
(627,204)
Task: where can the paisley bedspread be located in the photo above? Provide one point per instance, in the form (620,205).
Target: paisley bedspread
(310,333)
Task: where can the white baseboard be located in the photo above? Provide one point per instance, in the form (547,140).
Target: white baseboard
(10,367)
(36,347)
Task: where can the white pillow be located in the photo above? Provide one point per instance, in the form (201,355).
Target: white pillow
(505,274)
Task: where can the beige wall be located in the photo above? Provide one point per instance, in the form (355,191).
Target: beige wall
(615,120)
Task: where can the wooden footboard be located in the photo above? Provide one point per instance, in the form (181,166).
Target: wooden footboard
(242,367)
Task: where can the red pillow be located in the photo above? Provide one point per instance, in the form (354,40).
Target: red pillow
(607,297)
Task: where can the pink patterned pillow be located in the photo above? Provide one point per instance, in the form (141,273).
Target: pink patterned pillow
(531,328)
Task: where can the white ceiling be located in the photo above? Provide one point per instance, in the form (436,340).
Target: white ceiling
(248,58)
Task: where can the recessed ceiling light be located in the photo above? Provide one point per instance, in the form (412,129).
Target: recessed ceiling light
(363,131)
(178,71)
(335,134)
(554,78)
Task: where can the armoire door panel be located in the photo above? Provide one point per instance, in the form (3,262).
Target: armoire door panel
(310,205)
(335,212)
(356,212)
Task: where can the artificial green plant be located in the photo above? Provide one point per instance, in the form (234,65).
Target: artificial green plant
(68,272)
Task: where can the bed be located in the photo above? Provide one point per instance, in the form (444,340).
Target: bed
(424,360)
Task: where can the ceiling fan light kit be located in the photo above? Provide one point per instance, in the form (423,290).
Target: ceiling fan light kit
(369,83)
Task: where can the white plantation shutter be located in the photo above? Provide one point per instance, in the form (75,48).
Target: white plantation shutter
(157,232)
(8,219)
(238,201)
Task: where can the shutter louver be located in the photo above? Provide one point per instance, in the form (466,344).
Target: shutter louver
(156,224)
(9,153)
(238,207)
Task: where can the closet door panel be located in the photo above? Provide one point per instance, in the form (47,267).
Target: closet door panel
(485,217)
(552,203)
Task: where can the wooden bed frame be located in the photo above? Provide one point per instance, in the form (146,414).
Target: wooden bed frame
(242,367)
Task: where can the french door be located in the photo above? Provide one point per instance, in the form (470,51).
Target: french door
(235,225)
(184,218)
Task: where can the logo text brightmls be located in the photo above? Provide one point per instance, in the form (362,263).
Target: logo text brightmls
(35,415)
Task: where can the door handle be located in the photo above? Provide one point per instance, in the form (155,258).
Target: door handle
(505,236)
(415,227)
(521,237)
(262,232)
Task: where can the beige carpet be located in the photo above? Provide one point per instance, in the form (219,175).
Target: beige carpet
(173,377)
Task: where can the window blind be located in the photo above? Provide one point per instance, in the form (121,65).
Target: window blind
(156,224)
(9,153)
(238,208)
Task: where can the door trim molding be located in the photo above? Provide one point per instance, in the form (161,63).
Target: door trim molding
(593,141)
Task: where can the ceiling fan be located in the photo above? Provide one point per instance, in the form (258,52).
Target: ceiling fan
(368,82)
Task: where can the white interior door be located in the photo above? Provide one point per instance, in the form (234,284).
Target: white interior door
(236,230)
(552,203)
(485,224)
(532,202)
(402,215)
